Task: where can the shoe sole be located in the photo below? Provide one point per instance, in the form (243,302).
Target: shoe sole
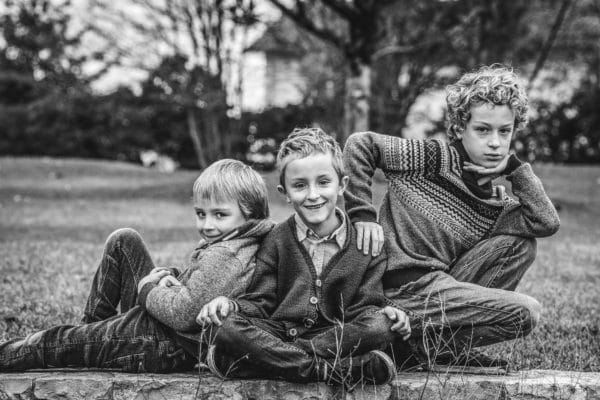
(391,367)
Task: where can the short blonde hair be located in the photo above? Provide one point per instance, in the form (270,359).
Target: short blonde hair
(232,180)
(494,84)
(304,142)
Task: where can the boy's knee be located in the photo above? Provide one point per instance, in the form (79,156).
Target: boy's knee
(123,235)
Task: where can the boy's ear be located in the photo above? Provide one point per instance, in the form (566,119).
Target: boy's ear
(343,183)
(281,190)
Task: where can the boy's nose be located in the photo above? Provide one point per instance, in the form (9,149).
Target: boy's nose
(494,140)
(313,193)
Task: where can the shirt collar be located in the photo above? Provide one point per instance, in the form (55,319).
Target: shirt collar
(303,231)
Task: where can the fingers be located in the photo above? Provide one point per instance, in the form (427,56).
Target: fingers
(360,228)
(402,323)
(366,241)
(378,241)
(202,317)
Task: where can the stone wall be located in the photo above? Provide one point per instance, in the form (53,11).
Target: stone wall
(65,384)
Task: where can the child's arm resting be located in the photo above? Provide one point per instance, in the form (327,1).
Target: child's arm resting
(177,306)
(260,300)
(535,215)
(364,152)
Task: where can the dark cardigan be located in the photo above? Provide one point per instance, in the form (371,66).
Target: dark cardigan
(285,286)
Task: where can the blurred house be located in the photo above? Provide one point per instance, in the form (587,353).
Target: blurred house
(274,73)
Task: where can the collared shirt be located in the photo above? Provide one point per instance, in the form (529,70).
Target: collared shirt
(321,250)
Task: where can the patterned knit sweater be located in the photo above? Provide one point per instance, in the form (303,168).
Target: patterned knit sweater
(285,286)
(428,215)
(222,268)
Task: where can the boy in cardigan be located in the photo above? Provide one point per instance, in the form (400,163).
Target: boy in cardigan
(457,245)
(315,310)
(160,334)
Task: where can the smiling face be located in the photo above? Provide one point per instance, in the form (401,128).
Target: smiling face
(488,133)
(312,186)
(214,219)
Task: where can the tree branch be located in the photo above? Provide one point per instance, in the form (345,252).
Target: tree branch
(302,20)
(545,50)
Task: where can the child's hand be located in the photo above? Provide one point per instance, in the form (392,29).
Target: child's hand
(168,281)
(369,235)
(214,311)
(153,277)
(402,324)
(487,174)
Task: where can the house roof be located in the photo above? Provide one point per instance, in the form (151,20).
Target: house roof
(285,38)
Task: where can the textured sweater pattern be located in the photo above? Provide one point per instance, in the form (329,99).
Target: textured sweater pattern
(428,215)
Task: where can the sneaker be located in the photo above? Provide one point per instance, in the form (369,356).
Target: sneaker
(372,368)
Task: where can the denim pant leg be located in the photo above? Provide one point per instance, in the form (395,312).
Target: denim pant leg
(258,348)
(368,331)
(130,342)
(446,314)
(498,262)
(124,262)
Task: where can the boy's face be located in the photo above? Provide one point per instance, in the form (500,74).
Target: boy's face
(488,133)
(215,219)
(312,186)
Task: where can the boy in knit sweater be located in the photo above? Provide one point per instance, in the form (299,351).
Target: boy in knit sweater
(160,334)
(457,245)
(315,310)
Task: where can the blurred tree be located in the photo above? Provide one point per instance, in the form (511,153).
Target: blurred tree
(40,74)
(202,36)
(396,49)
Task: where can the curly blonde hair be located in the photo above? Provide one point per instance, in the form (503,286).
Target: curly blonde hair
(304,142)
(494,84)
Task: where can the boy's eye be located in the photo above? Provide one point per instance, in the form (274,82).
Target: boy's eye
(324,182)
(299,185)
(200,214)
(505,132)
(480,129)
(220,215)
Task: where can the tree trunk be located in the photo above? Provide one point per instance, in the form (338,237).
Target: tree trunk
(356,102)
(195,136)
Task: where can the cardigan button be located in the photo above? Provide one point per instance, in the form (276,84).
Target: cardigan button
(318,283)
(313,300)
(292,332)
(309,322)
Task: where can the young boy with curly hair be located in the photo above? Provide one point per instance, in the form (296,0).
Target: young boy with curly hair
(315,310)
(159,334)
(457,245)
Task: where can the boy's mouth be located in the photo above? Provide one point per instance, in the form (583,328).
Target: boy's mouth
(314,206)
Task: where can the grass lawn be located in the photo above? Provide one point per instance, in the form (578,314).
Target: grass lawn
(55,215)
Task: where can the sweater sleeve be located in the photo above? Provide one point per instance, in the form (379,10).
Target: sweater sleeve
(364,152)
(214,274)
(260,300)
(370,292)
(534,215)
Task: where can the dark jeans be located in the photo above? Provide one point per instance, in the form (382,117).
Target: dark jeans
(474,303)
(124,262)
(262,348)
(131,342)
